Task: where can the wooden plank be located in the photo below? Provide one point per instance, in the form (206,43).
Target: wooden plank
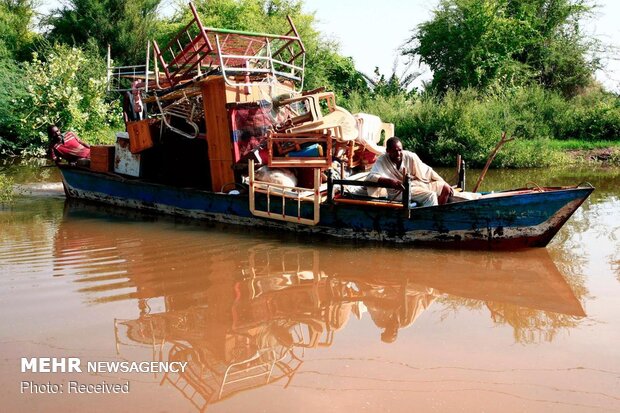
(299,163)
(219,140)
(368,203)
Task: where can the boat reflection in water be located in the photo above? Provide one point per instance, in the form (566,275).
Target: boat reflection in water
(242,310)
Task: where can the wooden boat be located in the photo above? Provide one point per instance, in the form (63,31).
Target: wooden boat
(508,220)
(220,100)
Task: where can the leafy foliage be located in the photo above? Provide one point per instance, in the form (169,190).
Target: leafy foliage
(125,25)
(471,122)
(16,36)
(593,116)
(478,43)
(13,91)
(397,83)
(66,86)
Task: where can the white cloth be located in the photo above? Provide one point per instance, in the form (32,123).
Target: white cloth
(426,185)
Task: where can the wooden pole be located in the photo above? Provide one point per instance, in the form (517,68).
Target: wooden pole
(501,142)
(461,179)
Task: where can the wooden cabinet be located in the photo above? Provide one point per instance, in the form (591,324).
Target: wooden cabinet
(139,135)
(102,158)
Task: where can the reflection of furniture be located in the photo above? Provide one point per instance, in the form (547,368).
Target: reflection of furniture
(307,334)
(256,368)
(207,379)
(291,290)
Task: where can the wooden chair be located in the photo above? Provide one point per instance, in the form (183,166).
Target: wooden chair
(283,150)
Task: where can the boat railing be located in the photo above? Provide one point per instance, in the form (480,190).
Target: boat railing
(405,203)
(121,78)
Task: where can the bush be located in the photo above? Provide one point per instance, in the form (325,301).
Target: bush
(12,90)
(595,116)
(537,113)
(470,123)
(66,86)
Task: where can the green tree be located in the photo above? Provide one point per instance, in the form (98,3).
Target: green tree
(394,84)
(13,90)
(16,36)
(16,41)
(326,68)
(126,25)
(477,43)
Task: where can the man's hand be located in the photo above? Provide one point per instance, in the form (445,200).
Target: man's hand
(446,192)
(392,183)
(396,184)
(450,188)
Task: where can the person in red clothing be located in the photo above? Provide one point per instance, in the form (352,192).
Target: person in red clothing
(66,146)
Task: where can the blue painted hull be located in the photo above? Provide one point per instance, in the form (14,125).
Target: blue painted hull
(507,222)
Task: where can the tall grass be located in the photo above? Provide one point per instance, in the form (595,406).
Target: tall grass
(470,123)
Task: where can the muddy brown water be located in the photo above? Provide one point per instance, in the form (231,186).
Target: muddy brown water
(279,323)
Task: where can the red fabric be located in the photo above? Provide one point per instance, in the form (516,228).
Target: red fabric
(368,158)
(250,125)
(70,148)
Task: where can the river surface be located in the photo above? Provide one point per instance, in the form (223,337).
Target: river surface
(273,323)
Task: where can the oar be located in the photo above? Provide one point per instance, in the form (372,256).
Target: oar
(491,157)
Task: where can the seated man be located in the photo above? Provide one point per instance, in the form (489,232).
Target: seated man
(66,146)
(427,187)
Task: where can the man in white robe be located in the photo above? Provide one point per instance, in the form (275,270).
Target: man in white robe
(427,187)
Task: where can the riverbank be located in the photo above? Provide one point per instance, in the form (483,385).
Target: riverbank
(599,156)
